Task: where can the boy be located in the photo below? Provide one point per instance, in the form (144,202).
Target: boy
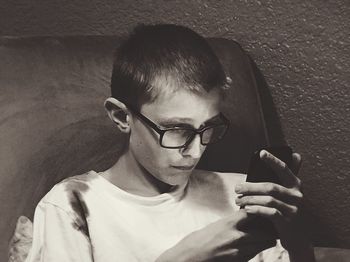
(152,204)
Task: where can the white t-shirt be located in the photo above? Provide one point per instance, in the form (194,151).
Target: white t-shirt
(86,218)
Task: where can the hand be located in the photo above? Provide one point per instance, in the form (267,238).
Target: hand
(222,240)
(279,203)
(21,241)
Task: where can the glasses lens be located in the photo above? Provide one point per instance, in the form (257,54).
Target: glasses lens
(176,137)
(213,134)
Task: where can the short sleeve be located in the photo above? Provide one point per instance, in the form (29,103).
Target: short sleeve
(56,237)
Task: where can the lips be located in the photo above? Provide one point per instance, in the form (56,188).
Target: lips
(185,167)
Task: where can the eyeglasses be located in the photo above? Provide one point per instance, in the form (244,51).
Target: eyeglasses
(180,137)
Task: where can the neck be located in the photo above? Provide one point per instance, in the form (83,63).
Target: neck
(131,177)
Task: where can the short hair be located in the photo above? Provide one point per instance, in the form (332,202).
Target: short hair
(163,58)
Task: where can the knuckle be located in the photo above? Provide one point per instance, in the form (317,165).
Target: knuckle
(238,236)
(271,188)
(294,210)
(232,237)
(235,251)
(229,223)
(298,195)
(270,201)
(283,165)
(275,212)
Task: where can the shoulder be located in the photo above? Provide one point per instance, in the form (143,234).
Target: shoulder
(69,191)
(67,203)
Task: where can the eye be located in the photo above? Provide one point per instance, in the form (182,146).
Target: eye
(177,125)
(181,132)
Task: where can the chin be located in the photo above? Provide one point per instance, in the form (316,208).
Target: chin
(178,178)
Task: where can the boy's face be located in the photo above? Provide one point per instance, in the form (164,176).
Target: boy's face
(172,166)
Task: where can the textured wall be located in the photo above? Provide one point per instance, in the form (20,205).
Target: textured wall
(302,48)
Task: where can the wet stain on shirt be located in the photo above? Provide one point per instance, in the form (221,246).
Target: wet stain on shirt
(76,191)
(80,208)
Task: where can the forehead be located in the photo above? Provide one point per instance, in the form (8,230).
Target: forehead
(188,106)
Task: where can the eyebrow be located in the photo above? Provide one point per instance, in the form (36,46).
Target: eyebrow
(183,122)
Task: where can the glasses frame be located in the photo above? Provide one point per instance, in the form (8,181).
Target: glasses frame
(161,130)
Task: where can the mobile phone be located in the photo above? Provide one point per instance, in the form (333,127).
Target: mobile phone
(258,171)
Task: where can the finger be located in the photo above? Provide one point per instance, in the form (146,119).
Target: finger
(268,201)
(237,219)
(243,252)
(288,195)
(296,163)
(269,212)
(285,175)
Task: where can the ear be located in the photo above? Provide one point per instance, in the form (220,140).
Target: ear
(118,113)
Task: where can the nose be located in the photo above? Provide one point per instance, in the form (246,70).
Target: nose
(194,149)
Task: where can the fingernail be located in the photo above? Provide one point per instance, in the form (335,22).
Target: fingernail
(238,201)
(23,220)
(238,188)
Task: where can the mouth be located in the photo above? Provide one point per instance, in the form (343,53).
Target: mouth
(184,167)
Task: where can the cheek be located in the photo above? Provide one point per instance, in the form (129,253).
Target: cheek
(148,152)
(142,139)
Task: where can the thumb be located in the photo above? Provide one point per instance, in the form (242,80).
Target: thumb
(296,163)
(239,218)
(24,228)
